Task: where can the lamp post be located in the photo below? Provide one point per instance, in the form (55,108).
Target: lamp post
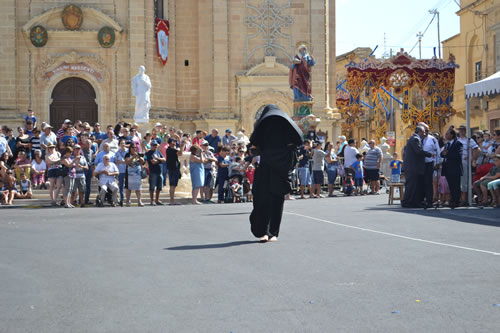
(435,12)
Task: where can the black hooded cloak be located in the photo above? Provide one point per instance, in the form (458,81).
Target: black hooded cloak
(276,137)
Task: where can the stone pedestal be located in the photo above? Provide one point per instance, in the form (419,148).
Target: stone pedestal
(385,168)
(303,116)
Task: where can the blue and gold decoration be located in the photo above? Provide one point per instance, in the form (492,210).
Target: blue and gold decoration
(39,36)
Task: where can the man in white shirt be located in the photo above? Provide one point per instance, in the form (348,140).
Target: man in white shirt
(350,153)
(106,171)
(113,143)
(430,145)
(466,143)
(46,138)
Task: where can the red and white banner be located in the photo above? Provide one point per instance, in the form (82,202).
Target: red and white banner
(162,40)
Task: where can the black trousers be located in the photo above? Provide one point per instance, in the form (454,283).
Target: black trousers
(413,191)
(265,218)
(454,185)
(428,190)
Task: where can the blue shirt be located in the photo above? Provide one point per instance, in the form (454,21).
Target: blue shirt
(358,168)
(213,141)
(398,164)
(100,155)
(66,137)
(33,120)
(120,156)
(154,168)
(99,135)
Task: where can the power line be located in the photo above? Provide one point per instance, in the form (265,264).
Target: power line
(415,28)
(424,32)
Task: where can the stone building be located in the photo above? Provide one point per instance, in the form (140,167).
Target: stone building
(477,52)
(226,59)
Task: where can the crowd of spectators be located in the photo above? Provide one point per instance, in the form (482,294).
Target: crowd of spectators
(118,158)
(442,179)
(339,165)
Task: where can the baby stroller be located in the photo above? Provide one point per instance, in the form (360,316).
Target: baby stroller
(231,196)
(348,187)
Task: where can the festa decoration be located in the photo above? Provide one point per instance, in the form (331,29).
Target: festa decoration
(429,79)
(161,33)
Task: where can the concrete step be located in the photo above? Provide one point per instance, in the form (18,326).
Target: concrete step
(41,198)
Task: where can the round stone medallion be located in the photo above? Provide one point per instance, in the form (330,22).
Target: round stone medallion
(106,37)
(72,17)
(38,36)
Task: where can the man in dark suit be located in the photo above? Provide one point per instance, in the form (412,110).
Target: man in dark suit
(452,165)
(414,162)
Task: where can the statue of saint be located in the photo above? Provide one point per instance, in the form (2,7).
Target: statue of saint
(300,75)
(141,86)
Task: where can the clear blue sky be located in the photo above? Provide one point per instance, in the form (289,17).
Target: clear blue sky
(362,23)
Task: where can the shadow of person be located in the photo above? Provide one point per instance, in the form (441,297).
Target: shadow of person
(210,246)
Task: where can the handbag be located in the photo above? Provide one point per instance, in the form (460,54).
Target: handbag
(340,170)
(144,173)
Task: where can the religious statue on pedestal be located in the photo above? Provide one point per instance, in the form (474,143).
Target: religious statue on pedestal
(300,81)
(141,86)
(300,75)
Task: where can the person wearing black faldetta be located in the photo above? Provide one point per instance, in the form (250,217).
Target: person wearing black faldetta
(276,138)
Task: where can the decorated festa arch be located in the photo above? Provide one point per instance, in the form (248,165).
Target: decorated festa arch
(423,88)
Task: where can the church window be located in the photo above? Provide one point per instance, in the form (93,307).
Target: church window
(158,8)
(477,75)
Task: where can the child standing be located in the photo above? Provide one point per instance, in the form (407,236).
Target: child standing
(396,169)
(444,191)
(358,174)
(31,117)
(249,175)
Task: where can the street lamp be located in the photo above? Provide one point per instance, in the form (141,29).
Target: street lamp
(435,12)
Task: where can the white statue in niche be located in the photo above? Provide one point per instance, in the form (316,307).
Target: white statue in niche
(141,86)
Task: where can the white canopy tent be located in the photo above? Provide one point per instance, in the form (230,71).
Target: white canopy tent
(487,87)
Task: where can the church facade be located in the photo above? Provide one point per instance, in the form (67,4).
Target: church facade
(226,59)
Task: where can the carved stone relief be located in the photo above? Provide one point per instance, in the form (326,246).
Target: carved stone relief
(267,26)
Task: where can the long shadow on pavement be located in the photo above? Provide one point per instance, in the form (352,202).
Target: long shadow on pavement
(489,217)
(210,246)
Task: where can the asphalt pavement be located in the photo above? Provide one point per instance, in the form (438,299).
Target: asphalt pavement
(347,264)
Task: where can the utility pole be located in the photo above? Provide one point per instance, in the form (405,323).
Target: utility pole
(420,35)
(435,12)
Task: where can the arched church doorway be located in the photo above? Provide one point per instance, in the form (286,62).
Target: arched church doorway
(73,98)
